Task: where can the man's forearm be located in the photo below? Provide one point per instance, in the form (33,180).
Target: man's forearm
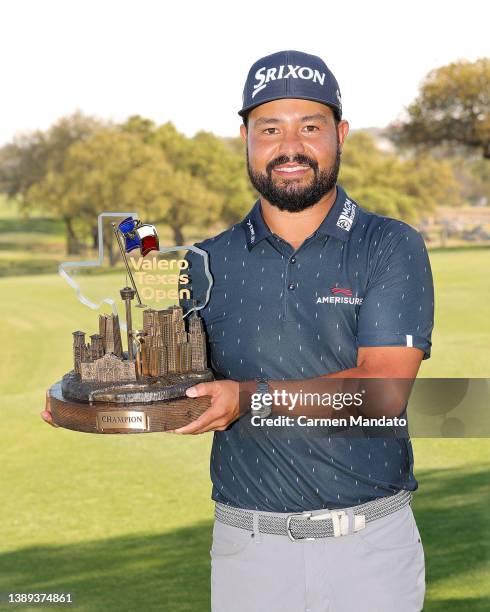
(362,393)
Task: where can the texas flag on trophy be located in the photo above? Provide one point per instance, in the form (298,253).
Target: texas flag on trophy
(148,236)
(139,235)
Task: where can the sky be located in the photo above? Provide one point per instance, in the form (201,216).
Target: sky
(187,61)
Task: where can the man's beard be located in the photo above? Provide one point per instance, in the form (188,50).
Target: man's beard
(287,194)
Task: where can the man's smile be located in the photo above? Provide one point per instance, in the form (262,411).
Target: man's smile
(291,170)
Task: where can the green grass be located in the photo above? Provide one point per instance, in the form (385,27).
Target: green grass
(451,508)
(124,522)
(461,337)
(28,245)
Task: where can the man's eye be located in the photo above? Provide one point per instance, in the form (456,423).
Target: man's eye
(270,131)
(311,128)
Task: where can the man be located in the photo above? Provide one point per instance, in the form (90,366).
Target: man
(274,319)
(309,289)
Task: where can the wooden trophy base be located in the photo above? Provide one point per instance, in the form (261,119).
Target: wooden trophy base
(112,418)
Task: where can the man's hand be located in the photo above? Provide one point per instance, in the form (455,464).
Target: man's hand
(46,413)
(224,408)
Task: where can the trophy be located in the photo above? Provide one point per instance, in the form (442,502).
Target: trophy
(140,390)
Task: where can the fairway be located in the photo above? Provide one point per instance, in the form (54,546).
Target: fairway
(461,338)
(124,522)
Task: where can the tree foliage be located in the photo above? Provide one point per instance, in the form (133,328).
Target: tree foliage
(106,172)
(452,108)
(212,162)
(396,187)
(81,167)
(25,161)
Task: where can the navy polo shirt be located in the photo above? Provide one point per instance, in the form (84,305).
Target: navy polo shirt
(360,279)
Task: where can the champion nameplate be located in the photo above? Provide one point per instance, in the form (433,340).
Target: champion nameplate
(122,419)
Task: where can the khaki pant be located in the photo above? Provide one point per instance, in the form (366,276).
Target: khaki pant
(377,569)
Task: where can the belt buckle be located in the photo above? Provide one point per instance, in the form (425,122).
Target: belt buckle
(341,521)
(339,518)
(304,515)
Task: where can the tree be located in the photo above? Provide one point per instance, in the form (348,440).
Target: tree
(27,159)
(110,171)
(191,203)
(401,188)
(194,196)
(474,178)
(452,109)
(142,127)
(32,158)
(116,170)
(214,162)
(223,171)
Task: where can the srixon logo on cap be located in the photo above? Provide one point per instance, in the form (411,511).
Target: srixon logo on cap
(264,75)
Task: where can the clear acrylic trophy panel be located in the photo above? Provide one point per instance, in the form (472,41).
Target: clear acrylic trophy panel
(177,275)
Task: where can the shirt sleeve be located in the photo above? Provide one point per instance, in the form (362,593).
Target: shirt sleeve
(398,306)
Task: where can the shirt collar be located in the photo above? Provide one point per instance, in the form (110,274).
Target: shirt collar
(341,217)
(338,222)
(255,227)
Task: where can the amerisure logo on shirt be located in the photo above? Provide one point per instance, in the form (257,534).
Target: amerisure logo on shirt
(340,295)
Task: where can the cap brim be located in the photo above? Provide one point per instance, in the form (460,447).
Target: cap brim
(335,107)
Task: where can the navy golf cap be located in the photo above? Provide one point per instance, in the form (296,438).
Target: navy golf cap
(291,74)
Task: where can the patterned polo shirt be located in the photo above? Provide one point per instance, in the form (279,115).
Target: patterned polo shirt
(281,313)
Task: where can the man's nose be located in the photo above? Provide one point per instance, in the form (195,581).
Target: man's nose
(291,143)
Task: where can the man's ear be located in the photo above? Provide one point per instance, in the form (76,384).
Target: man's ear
(243,132)
(342,130)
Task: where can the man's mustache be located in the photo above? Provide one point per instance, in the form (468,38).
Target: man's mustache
(304,160)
